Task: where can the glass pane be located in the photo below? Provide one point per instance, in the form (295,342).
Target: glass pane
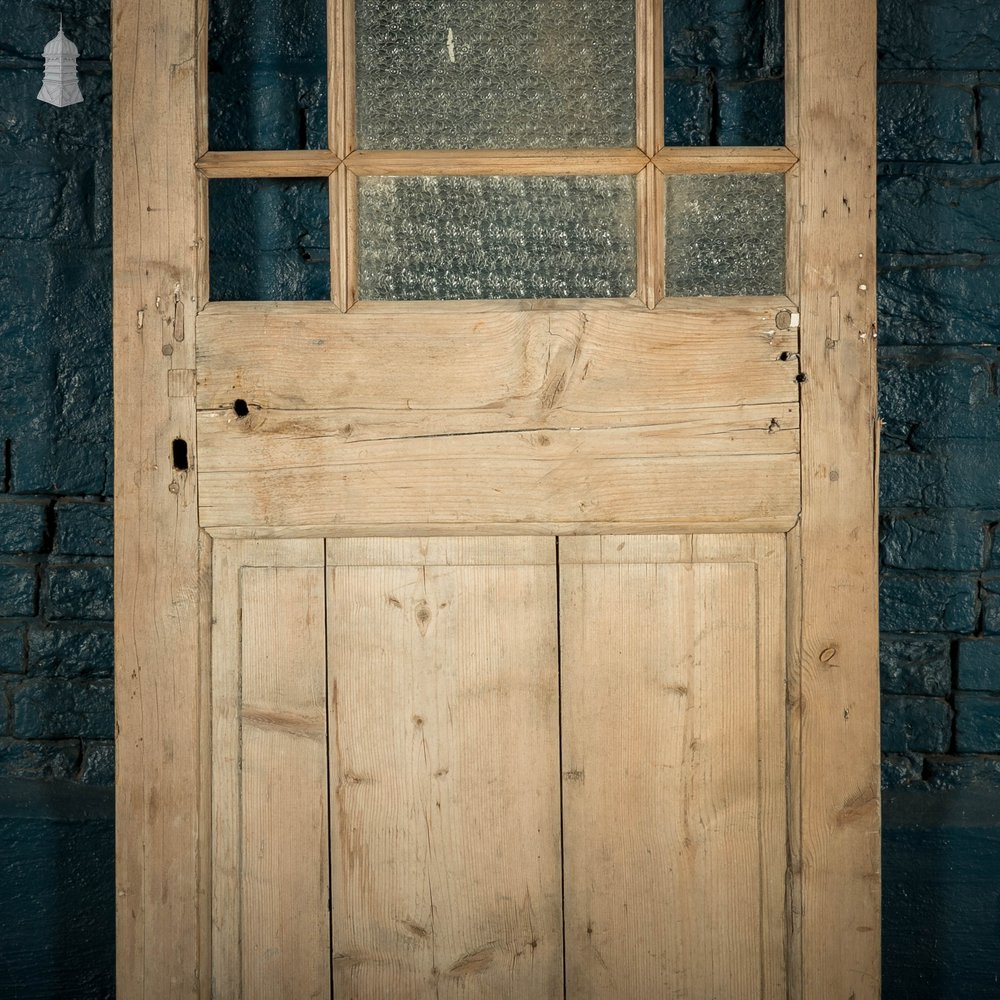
(725,234)
(267,74)
(724,65)
(269,239)
(496,237)
(502,74)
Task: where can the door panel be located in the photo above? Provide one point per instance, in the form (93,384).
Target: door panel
(444,769)
(563,420)
(271,911)
(673,766)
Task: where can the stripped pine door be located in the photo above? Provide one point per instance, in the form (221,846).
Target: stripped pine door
(504,625)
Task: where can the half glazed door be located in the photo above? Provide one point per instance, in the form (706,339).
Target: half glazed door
(501,624)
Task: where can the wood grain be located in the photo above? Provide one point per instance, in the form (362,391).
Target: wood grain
(839,685)
(284,877)
(238,781)
(511,363)
(159,240)
(518,419)
(483,162)
(269,163)
(725,160)
(673,766)
(568,478)
(445,770)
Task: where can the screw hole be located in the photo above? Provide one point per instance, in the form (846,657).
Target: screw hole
(784,356)
(240,408)
(180,454)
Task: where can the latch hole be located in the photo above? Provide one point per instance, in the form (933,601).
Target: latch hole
(180,454)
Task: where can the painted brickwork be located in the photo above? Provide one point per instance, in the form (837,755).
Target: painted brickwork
(939,244)
(940,337)
(56,718)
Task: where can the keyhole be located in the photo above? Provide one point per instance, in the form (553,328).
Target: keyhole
(180,454)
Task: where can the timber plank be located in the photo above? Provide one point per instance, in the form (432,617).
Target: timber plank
(236,611)
(598,361)
(673,766)
(569,478)
(284,922)
(839,693)
(159,241)
(445,769)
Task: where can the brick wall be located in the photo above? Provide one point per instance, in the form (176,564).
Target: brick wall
(939,336)
(56,715)
(56,718)
(939,342)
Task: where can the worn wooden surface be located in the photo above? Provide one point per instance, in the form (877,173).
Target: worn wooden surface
(674,787)
(725,160)
(268,649)
(445,768)
(534,481)
(269,163)
(638,414)
(574,419)
(839,683)
(284,879)
(160,827)
(556,366)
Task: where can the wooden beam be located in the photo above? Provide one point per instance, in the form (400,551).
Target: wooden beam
(491,370)
(484,162)
(725,160)
(159,240)
(839,774)
(269,163)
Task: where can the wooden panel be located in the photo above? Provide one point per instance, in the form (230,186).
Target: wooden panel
(269,751)
(512,362)
(673,766)
(835,95)
(521,419)
(159,239)
(533,481)
(445,772)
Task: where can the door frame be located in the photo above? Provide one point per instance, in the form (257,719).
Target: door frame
(163,558)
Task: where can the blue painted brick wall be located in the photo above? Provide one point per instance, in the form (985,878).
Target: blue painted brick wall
(55,402)
(939,300)
(939,246)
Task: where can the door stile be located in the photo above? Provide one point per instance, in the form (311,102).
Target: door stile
(158,248)
(839,792)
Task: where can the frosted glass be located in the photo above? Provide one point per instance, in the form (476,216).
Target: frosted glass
(269,239)
(502,74)
(724,72)
(496,237)
(725,234)
(267,74)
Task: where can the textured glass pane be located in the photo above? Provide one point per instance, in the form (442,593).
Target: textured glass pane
(496,237)
(725,234)
(459,74)
(269,239)
(267,74)
(724,66)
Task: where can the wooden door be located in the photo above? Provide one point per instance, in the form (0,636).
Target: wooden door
(519,646)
